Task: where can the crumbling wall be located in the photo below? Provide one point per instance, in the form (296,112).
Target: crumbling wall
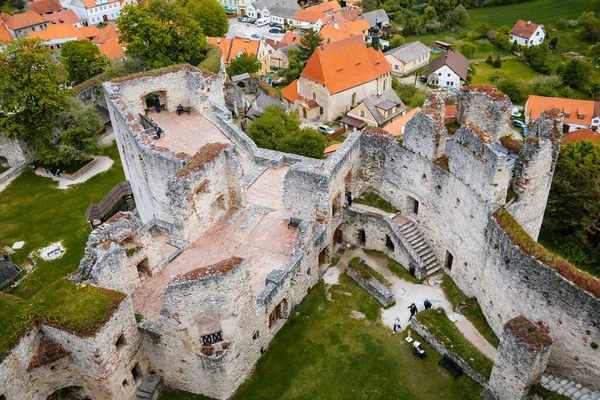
(426,133)
(15,151)
(474,159)
(485,106)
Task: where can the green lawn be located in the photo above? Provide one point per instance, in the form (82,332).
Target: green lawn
(394,267)
(374,200)
(324,353)
(512,68)
(34,210)
(539,11)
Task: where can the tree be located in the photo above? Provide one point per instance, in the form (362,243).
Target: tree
(369,5)
(397,41)
(538,58)
(294,68)
(482,30)
(18,4)
(497,63)
(308,43)
(430,13)
(513,89)
(553,42)
(211,16)
(594,52)
(590,26)
(458,15)
(32,88)
(78,140)
(467,49)
(502,41)
(490,58)
(280,130)
(161,33)
(244,63)
(545,85)
(571,218)
(576,73)
(83,60)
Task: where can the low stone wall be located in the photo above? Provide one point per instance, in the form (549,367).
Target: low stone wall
(11,173)
(440,348)
(373,286)
(81,170)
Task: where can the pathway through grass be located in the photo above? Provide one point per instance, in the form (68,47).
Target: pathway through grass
(34,210)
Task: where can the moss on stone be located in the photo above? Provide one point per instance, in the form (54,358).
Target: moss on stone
(367,272)
(374,200)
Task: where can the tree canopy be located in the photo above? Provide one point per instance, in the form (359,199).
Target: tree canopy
(571,224)
(308,43)
(83,60)
(280,130)
(294,68)
(211,16)
(161,33)
(32,89)
(244,63)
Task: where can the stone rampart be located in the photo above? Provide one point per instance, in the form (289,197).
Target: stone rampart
(16,152)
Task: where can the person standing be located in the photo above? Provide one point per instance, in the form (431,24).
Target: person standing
(397,324)
(349,199)
(413,311)
(427,304)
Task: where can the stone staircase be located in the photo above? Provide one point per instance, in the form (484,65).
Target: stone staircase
(569,388)
(416,240)
(149,388)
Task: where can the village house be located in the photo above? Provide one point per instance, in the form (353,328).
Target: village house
(340,19)
(57,34)
(579,114)
(232,47)
(42,7)
(377,110)
(291,38)
(65,17)
(95,11)
(336,77)
(20,25)
(526,33)
(306,18)
(376,17)
(5,35)
(343,30)
(448,70)
(280,58)
(408,57)
(277,11)
(232,6)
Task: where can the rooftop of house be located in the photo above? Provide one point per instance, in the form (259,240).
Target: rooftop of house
(330,34)
(524,29)
(91,3)
(90,32)
(290,92)
(575,111)
(109,32)
(58,32)
(263,239)
(231,48)
(409,51)
(396,127)
(44,6)
(62,17)
(275,44)
(341,18)
(379,16)
(286,49)
(581,134)
(113,49)
(24,20)
(345,64)
(384,101)
(259,104)
(291,38)
(4,34)
(454,60)
(313,13)
(275,7)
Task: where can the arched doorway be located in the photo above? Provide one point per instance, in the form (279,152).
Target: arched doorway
(69,393)
(3,164)
(155,101)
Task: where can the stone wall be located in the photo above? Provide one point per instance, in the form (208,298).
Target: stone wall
(375,288)
(434,342)
(485,106)
(15,151)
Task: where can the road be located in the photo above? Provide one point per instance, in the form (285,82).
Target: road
(240,29)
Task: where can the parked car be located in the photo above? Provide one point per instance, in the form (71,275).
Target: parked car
(255,36)
(327,130)
(423,79)
(244,19)
(251,20)
(519,124)
(274,30)
(275,25)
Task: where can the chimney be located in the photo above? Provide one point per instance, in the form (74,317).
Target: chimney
(322,47)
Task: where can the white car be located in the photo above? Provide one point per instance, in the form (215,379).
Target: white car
(326,129)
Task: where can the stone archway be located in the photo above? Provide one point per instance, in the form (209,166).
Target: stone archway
(149,100)
(69,393)
(3,163)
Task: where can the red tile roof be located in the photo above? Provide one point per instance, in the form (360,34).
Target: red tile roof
(275,44)
(24,20)
(291,38)
(232,47)
(313,13)
(4,34)
(581,134)
(524,29)
(345,64)
(44,6)
(290,92)
(113,49)
(108,33)
(572,108)
(396,127)
(330,34)
(57,32)
(89,31)
(62,17)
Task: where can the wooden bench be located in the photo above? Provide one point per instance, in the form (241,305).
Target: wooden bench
(451,366)
(181,109)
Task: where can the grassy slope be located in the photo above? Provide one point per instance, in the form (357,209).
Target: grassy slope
(394,267)
(35,211)
(374,200)
(323,353)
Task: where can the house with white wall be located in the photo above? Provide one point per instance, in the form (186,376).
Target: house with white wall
(95,11)
(448,70)
(277,11)
(408,57)
(526,33)
(578,114)
(337,77)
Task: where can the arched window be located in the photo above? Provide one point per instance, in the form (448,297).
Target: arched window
(384,84)
(354,98)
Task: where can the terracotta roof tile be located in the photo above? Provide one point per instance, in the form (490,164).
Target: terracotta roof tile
(330,34)
(89,31)
(536,104)
(23,20)
(234,46)
(62,17)
(313,13)
(397,126)
(113,49)
(57,32)
(92,3)
(108,33)
(291,38)
(44,6)
(524,29)
(290,92)
(4,34)
(345,64)
(581,134)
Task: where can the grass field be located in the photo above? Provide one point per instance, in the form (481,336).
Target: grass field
(539,11)
(512,67)
(34,210)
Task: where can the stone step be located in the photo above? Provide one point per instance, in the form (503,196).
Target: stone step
(409,230)
(430,272)
(420,246)
(429,258)
(415,240)
(406,226)
(424,251)
(411,236)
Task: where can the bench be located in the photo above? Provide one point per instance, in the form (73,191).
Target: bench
(181,109)
(451,366)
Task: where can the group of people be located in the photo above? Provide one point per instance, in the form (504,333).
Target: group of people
(53,171)
(413,311)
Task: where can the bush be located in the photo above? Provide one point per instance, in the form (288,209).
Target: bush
(467,49)
(511,144)
(397,41)
(516,90)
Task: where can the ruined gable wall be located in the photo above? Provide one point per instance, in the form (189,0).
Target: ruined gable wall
(514,283)
(484,105)
(15,151)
